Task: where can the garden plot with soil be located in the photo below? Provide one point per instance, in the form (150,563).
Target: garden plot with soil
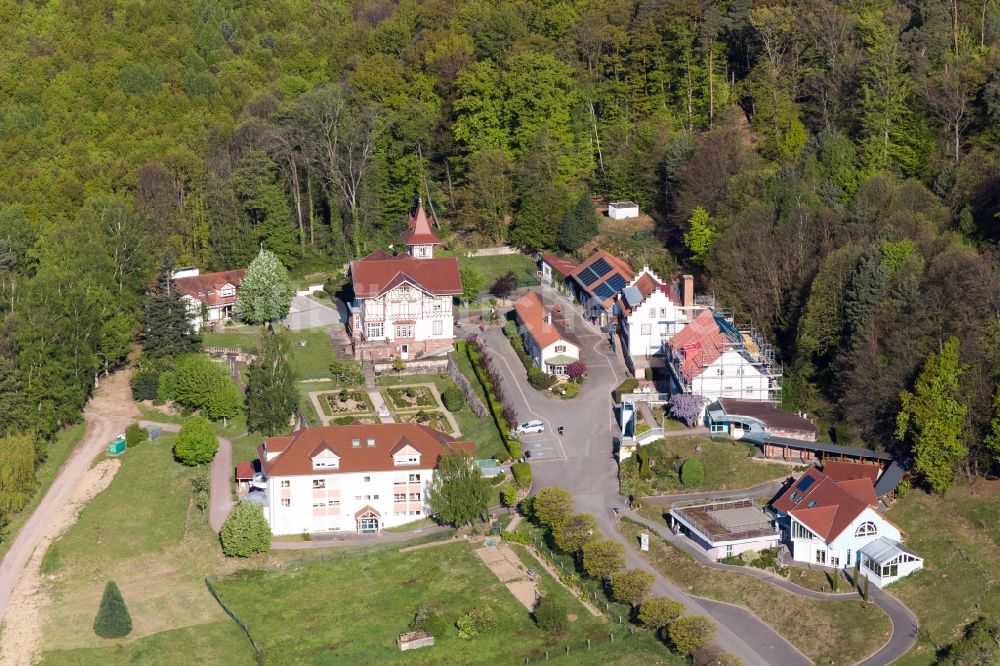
(405,398)
(430,418)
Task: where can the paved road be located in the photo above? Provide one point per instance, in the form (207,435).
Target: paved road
(307,313)
(220,472)
(107,415)
(582,461)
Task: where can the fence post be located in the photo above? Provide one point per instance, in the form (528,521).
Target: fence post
(588,643)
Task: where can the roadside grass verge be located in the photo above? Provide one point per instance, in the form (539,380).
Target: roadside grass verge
(145,533)
(828,632)
(957,534)
(57,452)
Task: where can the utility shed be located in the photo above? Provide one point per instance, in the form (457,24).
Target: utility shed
(623,210)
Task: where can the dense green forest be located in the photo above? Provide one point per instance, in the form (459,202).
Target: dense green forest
(830,170)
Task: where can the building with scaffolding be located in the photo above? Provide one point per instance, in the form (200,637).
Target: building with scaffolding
(712,358)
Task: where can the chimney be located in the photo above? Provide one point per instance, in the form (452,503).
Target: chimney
(687,294)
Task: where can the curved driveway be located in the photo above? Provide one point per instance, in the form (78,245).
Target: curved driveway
(584,464)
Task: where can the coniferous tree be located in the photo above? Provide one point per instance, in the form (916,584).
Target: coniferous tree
(579,224)
(113,619)
(271,393)
(266,292)
(167,325)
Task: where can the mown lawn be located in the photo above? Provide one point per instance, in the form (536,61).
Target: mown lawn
(957,534)
(493,267)
(728,465)
(143,532)
(56,453)
(349,608)
(482,431)
(309,361)
(828,632)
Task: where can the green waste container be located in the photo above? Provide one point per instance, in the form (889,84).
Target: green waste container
(117,446)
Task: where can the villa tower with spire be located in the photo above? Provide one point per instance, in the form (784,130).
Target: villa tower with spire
(402,305)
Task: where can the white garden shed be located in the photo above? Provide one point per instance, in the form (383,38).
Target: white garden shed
(623,210)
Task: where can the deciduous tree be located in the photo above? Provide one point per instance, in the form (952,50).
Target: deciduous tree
(265,294)
(195,444)
(17,471)
(458,493)
(245,531)
(272,396)
(657,612)
(573,533)
(553,506)
(631,587)
(603,558)
(688,634)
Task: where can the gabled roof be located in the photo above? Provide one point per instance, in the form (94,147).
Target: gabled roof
(563,266)
(244,470)
(603,276)
(419,232)
(297,450)
(205,287)
(844,471)
(699,344)
(824,505)
(532,312)
(373,277)
(642,286)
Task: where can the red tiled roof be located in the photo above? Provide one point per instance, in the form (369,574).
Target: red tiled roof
(564,267)
(531,312)
(206,287)
(244,470)
(699,344)
(295,451)
(419,232)
(372,277)
(617,266)
(826,506)
(844,471)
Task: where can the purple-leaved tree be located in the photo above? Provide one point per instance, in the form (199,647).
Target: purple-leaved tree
(686,408)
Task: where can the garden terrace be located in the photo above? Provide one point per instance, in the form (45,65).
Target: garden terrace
(345,402)
(404,398)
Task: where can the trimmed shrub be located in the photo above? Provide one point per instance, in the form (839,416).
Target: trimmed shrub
(135,434)
(510,329)
(245,531)
(550,614)
(479,620)
(113,619)
(145,386)
(627,386)
(514,449)
(196,444)
(428,619)
(540,380)
(689,634)
(522,474)
(453,399)
(692,472)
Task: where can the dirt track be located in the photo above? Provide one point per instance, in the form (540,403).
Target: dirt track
(21,597)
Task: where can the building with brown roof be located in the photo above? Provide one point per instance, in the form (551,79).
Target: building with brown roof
(555,271)
(753,418)
(352,478)
(547,335)
(831,522)
(402,305)
(210,297)
(596,284)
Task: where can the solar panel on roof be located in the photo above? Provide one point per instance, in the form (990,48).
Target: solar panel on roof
(633,296)
(616,282)
(603,291)
(601,267)
(588,277)
(804,482)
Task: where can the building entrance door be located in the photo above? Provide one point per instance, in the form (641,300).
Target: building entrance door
(820,557)
(404,352)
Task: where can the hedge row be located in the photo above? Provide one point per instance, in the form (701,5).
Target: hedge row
(522,474)
(538,379)
(503,414)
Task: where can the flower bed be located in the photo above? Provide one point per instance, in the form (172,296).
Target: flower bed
(430,418)
(345,401)
(409,397)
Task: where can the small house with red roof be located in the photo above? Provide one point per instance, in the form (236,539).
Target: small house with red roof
(547,335)
(830,520)
(650,312)
(351,478)
(210,297)
(711,358)
(596,284)
(402,305)
(555,271)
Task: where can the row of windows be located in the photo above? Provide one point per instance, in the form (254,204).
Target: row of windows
(318,484)
(320,503)
(376,329)
(402,497)
(407,513)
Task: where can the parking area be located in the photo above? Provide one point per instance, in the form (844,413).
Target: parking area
(541,446)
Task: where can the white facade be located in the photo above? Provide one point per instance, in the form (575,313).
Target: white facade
(331,502)
(731,375)
(650,325)
(843,551)
(623,210)
(558,350)
(406,314)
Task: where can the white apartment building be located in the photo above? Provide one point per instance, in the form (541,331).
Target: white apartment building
(352,478)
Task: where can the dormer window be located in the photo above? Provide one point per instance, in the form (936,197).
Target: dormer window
(325,459)
(356,443)
(210,292)
(227,290)
(408,460)
(371,442)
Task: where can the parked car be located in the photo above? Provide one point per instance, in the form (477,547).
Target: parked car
(530,427)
